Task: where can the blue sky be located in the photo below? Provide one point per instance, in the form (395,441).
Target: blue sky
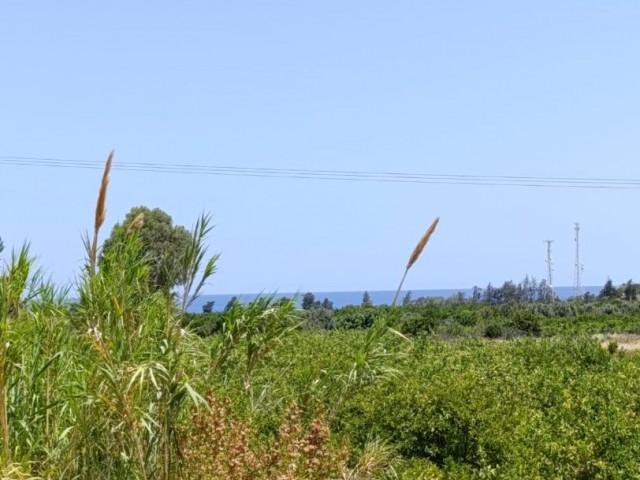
(479,88)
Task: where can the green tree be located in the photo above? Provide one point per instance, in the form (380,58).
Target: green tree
(308,301)
(406,301)
(164,244)
(208,307)
(233,301)
(630,290)
(366,299)
(608,291)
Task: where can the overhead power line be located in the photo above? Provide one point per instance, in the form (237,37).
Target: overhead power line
(336,175)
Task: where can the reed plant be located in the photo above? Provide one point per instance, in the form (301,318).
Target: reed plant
(135,375)
(192,262)
(16,288)
(415,254)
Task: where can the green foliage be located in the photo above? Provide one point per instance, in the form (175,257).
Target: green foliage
(204,324)
(406,300)
(357,317)
(308,301)
(164,245)
(422,320)
(608,291)
(107,387)
(366,299)
(319,318)
(493,330)
(526,321)
(193,260)
(558,408)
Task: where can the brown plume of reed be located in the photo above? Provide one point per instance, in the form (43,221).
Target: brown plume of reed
(416,254)
(101,213)
(136,224)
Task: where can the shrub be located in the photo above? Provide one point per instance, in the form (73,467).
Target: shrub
(217,446)
(415,323)
(357,316)
(493,330)
(319,318)
(526,321)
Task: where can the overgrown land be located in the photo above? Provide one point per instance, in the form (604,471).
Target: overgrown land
(122,383)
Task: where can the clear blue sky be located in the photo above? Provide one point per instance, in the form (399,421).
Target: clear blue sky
(540,88)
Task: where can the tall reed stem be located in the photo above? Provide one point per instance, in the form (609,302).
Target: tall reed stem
(395,299)
(101,213)
(4,417)
(416,254)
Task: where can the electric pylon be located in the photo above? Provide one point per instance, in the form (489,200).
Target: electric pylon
(549,265)
(578,265)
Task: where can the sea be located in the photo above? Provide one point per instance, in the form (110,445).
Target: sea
(378,297)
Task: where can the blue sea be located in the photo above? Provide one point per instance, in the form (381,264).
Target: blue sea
(379,297)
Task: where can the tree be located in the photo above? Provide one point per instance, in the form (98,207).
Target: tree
(544,292)
(366,300)
(476,295)
(407,299)
(308,301)
(164,244)
(283,301)
(630,290)
(327,304)
(608,291)
(208,307)
(231,303)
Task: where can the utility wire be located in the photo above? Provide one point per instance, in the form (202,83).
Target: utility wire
(339,175)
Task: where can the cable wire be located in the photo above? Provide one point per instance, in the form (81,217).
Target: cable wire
(333,175)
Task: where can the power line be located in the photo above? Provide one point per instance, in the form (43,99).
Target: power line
(339,175)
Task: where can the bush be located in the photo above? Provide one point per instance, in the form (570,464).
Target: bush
(526,322)
(357,316)
(466,318)
(493,330)
(319,318)
(419,322)
(203,324)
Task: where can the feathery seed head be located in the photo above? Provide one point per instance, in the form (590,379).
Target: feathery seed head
(421,244)
(136,224)
(101,212)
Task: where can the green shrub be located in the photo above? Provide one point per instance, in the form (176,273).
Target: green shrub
(493,330)
(526,322)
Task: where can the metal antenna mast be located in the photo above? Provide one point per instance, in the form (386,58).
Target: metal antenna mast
(578,265)
(549,265)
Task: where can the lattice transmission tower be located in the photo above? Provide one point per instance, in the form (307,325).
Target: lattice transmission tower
(549,266)
(578,265)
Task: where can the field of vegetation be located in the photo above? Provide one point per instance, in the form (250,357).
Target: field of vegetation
(121,383)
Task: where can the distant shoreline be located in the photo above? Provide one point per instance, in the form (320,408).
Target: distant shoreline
(378,297)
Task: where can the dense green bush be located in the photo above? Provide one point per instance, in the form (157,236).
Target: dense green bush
(203,324)
(553,408)
(493,330)
(357,316)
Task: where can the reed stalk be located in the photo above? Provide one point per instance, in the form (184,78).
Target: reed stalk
(101,213)
(415,255)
